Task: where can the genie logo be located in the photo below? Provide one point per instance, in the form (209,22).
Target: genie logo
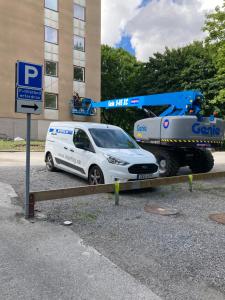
(141,128)
(134,101)
(205,130)
(166,123)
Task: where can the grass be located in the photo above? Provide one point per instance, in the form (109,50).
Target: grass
(36,146)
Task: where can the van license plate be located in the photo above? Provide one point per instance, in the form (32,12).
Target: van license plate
(144,176)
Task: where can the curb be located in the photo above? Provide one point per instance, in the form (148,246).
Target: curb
(10,197)
(14,199)
(22,151)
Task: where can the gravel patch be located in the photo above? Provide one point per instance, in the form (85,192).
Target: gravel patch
(40,179)
(178,257)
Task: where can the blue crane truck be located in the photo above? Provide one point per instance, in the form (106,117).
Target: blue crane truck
(179,136)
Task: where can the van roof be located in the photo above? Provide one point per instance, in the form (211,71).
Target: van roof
(83,125)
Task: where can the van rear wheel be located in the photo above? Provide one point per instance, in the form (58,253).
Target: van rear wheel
(95,176)
(50,163)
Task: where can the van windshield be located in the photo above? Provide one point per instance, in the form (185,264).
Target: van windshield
(112,138)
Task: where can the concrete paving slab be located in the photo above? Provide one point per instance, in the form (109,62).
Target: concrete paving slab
(46,261)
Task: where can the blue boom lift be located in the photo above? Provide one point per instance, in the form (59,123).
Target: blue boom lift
(179,136)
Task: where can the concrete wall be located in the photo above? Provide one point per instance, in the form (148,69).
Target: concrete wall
(65,58)
(93,52)
(22,38)
(12,128)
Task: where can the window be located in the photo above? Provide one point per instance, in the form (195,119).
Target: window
(51,4)
(79,43)
(78,73)
(81,140)
(79,12)
(51,35)
(51,68)
(51,101)
(112,138)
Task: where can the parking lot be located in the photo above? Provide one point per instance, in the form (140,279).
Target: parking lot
(178,257)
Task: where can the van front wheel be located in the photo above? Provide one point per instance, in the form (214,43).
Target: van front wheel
(50,163)
(95,176)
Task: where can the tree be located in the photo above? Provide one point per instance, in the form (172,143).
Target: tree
(119,71)
(120,76)
(190,67)
(215,27)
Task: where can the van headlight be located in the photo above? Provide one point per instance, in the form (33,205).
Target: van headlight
(115,161)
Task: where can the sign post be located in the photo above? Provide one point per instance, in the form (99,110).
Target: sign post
(27,188)
(28,101)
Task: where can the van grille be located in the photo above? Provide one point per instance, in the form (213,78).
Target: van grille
(143,169)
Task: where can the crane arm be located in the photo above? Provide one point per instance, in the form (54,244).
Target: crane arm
(179,103)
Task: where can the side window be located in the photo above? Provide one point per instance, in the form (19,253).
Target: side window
(80,137)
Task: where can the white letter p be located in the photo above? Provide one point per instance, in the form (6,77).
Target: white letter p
(30,72)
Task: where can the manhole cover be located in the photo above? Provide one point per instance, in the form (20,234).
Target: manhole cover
(154,209)
(219,218)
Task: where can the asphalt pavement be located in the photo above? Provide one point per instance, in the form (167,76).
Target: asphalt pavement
(17,159)
(179,257)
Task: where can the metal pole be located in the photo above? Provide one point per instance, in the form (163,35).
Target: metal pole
(27,191)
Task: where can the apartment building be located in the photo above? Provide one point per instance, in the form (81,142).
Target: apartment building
(63,36)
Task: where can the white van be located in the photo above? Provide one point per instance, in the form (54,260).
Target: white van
(97,152)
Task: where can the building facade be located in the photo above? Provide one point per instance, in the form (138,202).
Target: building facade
(63,36)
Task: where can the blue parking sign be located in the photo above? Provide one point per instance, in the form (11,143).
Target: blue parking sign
(28,88)
(29,75)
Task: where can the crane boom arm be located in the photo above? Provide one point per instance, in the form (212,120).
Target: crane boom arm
(178,103)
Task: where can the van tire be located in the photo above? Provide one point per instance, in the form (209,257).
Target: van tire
(95,176)
(50,163)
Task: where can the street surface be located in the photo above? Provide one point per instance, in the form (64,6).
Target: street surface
(178,257)
(8,159)
(44,261)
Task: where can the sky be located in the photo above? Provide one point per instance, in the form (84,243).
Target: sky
(144,27)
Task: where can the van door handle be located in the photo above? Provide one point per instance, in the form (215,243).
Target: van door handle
(65,148)
(71,150)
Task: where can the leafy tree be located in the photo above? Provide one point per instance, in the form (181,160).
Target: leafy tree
(215,27)
(120,76)
(190,67)
(119,72)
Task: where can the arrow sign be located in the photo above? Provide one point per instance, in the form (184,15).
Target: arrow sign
(29,107)
(35,107)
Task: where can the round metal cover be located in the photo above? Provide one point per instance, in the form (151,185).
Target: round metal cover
(67,223)
(154,209)
(219,218)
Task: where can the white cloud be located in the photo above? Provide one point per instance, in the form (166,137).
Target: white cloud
(161,23)
(115,16)
(210,4)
